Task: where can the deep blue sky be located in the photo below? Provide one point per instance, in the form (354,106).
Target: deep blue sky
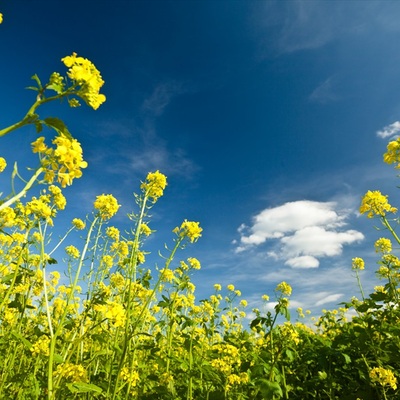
(263,114)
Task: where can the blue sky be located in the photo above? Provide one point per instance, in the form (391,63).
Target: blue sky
(264,115)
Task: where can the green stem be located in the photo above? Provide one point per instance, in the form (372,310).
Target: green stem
(50,387)
(391,230)
(24,191)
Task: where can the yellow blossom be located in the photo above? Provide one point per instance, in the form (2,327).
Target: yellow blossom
(358,264)
(113,233)
(194,263)
(145,230)
(3,164)
(217,287)
(154,185)
(284,288)
(88,79)
(393,153)
(71,372)
(72,251)
(1,18)
(375,203)
(231,287)
(107,205)
(78,223)
(41,346)
(384,377)
(189,229)
(383,245)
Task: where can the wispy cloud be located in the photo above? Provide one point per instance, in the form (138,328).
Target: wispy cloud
(303,232)
(324,93)
(161,97)
(308,25)
(389,130)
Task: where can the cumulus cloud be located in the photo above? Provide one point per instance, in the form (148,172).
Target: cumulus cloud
(389,130)
(304,231)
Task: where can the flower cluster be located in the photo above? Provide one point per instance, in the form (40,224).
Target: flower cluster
(107,206)
(358,264)
(65,161)
(384,377)
(190,230)
(154,185)
(375,204)
(87,78)
(393,153)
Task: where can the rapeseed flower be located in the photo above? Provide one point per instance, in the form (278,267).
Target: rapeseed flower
(383,245)
(107,205)
(358,264)
(78,223)
(190,230)
(72,251)
(284,288)
(375,204)
(154,185)
(71,372)
(113,233)
(393,153)
(383,376)
(3,164)
(87,78)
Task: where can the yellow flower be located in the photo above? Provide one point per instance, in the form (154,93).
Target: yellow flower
(72,251)
(284,288)
(393,153)
(189,229)
(71,372)
(217,287)
(358,264)
(41,346)
(1,18)
(154,185)
(375,203)
(113,311)
(384,377)
(78,223)
(107,205)
(87,77)
(194,263)
(265,297)
(231,288)
(113,233)
(3,164)
(166,275)
(145,230)
(59,200)
(383,245)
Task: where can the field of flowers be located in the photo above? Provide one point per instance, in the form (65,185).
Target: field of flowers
(113,329)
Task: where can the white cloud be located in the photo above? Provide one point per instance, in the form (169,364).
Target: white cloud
(303,231)
(324,92)
(328,298)
(162,95)
(303,262)
(389,130)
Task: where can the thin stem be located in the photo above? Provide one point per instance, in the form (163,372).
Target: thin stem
(24,191)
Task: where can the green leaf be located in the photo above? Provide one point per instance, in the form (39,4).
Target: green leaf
(81,387)
(24,341)
(270,389)
(37,80)
(58,126)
